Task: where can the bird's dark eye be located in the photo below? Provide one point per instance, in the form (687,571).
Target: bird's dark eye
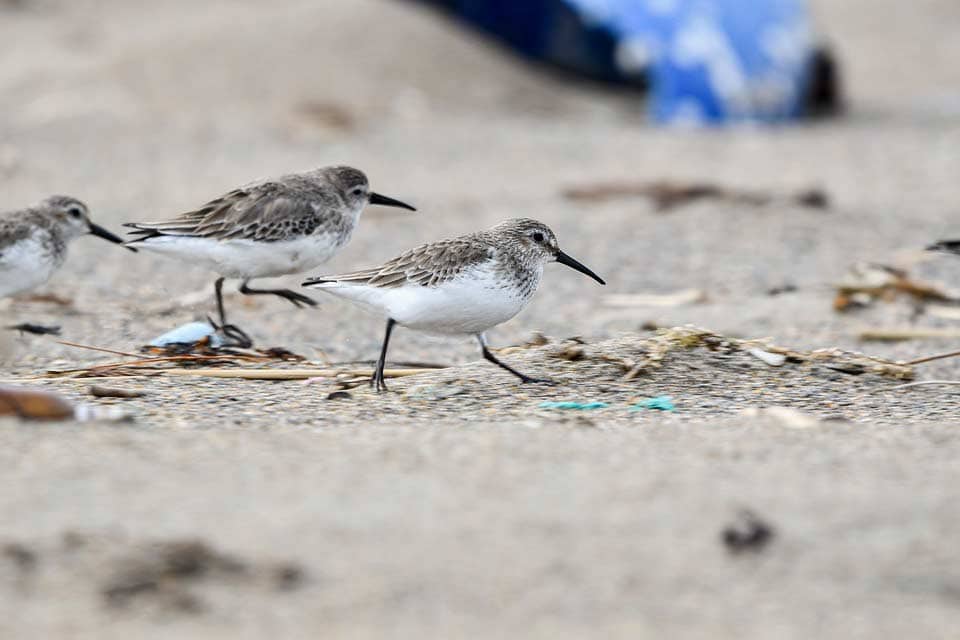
(537,236)
(358,191)
(75,212)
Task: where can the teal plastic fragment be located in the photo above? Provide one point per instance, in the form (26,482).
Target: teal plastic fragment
(573,405)
(660,403)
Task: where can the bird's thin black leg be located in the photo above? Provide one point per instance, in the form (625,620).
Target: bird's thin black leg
(377,381)
(298,299)
(237,337)
(490,357)
(218,288)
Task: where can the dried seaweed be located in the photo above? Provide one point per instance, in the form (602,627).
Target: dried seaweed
(658,347)
(868,282)
(667,195)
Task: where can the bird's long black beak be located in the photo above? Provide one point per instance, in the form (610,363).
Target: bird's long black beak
(376,198)
(563,258)
(100,232)
(950,246)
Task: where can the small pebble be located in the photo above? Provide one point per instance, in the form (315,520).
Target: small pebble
(747,533)
(98,391)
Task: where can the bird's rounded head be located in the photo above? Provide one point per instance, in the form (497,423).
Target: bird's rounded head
(68,213)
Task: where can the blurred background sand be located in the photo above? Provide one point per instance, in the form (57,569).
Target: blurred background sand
(451,528)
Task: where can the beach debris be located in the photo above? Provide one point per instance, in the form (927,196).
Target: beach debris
(100,413)
(34,404)
(571,349)
(782,289)
(49,298)
(747,533)
(162,571)
(657,403)
(785,416)
(167,359)
(339,395)
(35,329)
(38,404)
(435,392)
(921,383)
(940,311)
(772,359)
(580,406)
(675,299)
(184,365)
(537,339)
(651,352)
(867,282)
(23,557)
(899,334)
(936,356)
(319,116)
(192,333)
(99,391)
(667,195)
(290,374)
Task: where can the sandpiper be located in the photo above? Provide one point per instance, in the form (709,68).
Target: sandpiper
(33,244)
(265,229)
(462,286)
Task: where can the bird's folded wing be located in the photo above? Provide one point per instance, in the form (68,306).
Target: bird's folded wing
(265,213)
(428,265)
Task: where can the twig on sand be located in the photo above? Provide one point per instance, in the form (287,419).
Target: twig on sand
(92,348)
(913,384)
(894,335)
(291,374)
(938,356)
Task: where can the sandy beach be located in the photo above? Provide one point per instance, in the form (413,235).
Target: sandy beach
(456,506)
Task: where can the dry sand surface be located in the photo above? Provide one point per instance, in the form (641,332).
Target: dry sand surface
(455,507)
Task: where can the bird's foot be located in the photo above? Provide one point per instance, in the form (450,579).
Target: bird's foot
(298,299)
(233,336)
(378,384)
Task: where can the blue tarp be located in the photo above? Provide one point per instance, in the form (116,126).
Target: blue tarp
(703,61)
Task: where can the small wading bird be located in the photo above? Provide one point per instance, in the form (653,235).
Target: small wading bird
(265,229)
(33,245)
(462,286)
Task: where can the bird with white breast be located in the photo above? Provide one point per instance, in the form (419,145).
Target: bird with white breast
(463,286)
(265,229)
(34,241)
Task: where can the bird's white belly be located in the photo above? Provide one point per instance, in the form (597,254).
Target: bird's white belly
(466,305)
(246,258)
(26,265)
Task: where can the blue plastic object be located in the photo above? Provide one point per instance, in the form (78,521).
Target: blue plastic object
(660,403)
(189,333)
(703,61)
(573,405)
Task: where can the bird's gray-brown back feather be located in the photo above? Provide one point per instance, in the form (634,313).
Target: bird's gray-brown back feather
(18,225)
(427,265)
(283,209)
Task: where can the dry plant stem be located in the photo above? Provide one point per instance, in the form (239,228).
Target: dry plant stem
(939,356)
(915,384)
(102,349)
(906,334)
(290,374)
(149,361)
